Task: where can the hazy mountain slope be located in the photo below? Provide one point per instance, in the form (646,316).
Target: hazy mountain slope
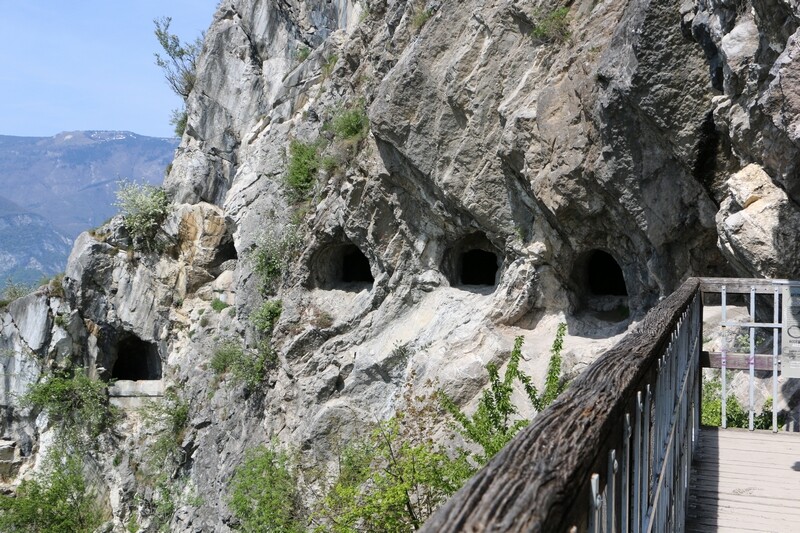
(29,246)
(70,178)
(56,187)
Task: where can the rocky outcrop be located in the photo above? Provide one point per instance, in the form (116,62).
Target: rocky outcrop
(513,176)
(758,226)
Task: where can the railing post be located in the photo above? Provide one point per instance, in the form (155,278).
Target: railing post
(611,491)
(776,302)
(646,453)
(626,467)
(637,465)
(752,361)
(724,350)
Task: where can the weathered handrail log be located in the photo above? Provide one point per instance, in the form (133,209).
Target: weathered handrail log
(540,481)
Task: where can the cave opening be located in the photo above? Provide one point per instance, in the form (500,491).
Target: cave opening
(136,360)
(355,266)
(227,252)
(341,266)
(478,267)
(604,275)
(472,261)
(600,286)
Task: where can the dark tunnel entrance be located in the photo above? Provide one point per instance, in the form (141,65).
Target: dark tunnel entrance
(600,288)
(341,266)
(604,275)
(472,261)
(478,267)
(355,266)
(136,360)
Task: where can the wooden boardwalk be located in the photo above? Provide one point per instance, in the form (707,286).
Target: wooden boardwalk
(745,481)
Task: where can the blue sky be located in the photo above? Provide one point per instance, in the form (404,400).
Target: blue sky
(89,65)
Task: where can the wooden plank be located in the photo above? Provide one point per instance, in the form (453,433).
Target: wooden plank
(539,481)
(736,361)
(739,285)
(744,481)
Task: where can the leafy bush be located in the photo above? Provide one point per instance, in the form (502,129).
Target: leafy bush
(218,305)
(243,367)
(551,26)
(394,479)
(168,418)
(265,317)
(78,405)
(302,54)
(736,415)
(271,258)
(301,171)
(179,119)
(55,286)
(56,500)
(327,67)
(421,16)
(263,494)
(350,124)
(493,424)
(13,290)
(143,208)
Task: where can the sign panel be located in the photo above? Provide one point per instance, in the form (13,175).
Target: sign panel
(790,358)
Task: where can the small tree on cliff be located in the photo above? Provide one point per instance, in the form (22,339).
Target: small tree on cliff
(179,64)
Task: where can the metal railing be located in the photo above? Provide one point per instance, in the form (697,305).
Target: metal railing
(648,485)
(614,451)
(772,294)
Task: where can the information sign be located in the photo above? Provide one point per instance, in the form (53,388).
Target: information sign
(790,356)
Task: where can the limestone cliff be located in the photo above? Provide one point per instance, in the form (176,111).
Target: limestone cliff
(514,176)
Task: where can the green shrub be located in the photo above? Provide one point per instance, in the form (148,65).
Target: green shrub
(395,478)
(494,423)
(168,420)
(13,290)
(218,305)
(330,63)
(302,54)
(350,124)
(265,317)
(143,208)
(421,16)
(301,171)
(263,494)
(551,26)
(330,164)
(62,320)
(271,258)
(77,404)
(241,366)
(54,501)
(55,286)
(736,415)
(178,120)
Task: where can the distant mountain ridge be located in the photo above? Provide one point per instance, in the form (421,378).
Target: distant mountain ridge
(53,188)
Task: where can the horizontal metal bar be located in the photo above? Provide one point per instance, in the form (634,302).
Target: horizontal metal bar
(735,361)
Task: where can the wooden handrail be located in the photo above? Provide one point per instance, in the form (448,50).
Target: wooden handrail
(540,481)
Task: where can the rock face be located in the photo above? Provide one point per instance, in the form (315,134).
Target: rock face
(512,177)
